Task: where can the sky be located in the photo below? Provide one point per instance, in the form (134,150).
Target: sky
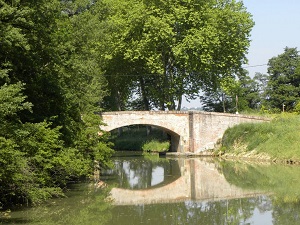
(277,25)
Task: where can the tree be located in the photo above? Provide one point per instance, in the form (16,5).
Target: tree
(51,86)
(283,90)
(233,94)
(178,46)
(259,86)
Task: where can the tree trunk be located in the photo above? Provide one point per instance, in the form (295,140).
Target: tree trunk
(223,101)
(144,95)
(179,103)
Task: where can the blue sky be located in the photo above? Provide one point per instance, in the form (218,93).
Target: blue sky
(277,25)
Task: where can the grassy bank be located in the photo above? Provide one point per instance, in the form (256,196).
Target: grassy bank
(137,138)
(278,140)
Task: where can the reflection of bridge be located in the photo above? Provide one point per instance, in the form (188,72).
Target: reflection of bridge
(190,131)
(199,181)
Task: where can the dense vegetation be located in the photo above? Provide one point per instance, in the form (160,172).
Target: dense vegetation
(276,140)
(50,91)
(274,92)
(138,138)
(164,50)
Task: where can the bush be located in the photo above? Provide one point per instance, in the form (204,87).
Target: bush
(156,146)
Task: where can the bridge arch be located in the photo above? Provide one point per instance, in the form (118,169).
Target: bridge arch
(173,124)
(174,137)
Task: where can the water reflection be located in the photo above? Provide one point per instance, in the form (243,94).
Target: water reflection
(142,173)
(179,180)
(84,205)
(234,211)
(187,191)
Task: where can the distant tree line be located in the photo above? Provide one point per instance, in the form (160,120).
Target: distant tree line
(276,91)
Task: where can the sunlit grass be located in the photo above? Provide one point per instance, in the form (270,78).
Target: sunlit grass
(279,138)
(156,146)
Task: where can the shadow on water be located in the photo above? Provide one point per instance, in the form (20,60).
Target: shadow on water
(175,191)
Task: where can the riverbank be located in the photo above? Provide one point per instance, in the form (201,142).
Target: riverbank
(276,141)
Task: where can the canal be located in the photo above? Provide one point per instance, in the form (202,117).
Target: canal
(153,190)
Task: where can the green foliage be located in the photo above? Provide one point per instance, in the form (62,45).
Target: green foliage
(297,108)
(156,146)
(50,91)
(279,138)
(134,139)
(273,93)
(284,83)
(235,94)
(163,50)
(35,162)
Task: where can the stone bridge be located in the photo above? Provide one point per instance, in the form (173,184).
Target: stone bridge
(199,181)
(192,132)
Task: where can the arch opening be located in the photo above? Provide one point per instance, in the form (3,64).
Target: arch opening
(132,137)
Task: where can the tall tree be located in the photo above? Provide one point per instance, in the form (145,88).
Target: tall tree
(50,88)
(235,94)
(179,46)
(283,90)
(259,86)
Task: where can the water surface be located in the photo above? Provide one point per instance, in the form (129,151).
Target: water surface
(143,190)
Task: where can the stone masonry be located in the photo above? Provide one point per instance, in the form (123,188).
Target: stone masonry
(190,131)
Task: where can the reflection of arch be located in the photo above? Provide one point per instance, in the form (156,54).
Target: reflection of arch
(174,170)
(199,180)
(175,137)
(138,173)
(155,195)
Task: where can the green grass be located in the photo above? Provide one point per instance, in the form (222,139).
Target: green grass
(279,138)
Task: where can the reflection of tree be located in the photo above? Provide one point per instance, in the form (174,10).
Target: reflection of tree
(84,206)
(235,211)
(280,180)
(136,173)
(286,213)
